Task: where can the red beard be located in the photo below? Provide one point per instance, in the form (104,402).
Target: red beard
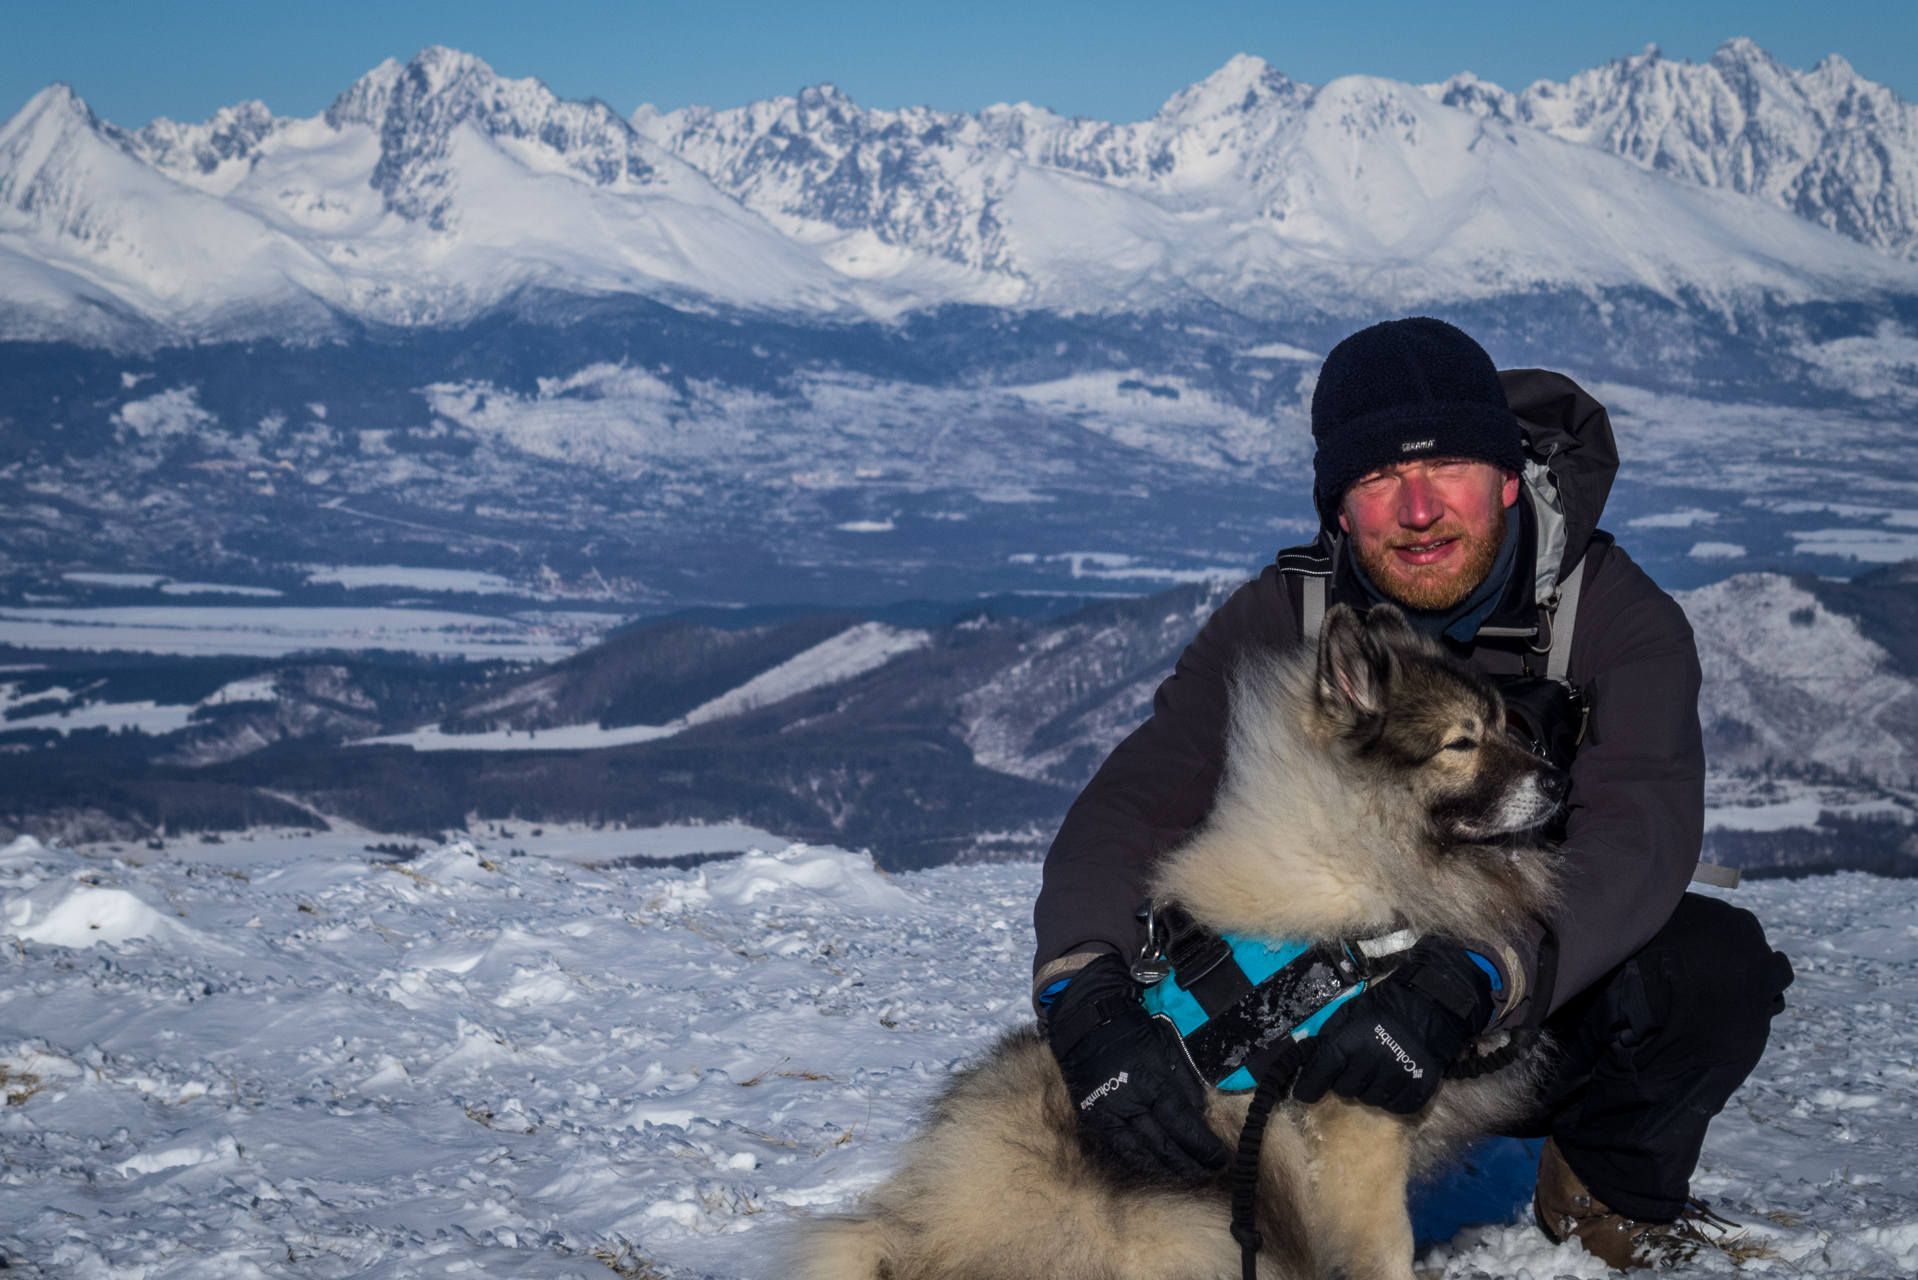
(1434,587)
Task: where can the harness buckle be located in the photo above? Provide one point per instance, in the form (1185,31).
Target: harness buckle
(1151,968)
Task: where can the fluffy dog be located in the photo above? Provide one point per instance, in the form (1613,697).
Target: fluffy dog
(1367,788)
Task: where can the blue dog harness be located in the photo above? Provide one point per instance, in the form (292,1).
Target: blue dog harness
(1242,1005)
(1242,1008)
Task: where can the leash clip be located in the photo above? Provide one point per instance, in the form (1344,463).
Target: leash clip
(1152,967)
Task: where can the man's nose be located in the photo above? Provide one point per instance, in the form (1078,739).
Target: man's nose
(1419,502)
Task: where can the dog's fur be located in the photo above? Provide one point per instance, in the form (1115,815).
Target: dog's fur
(1371,789)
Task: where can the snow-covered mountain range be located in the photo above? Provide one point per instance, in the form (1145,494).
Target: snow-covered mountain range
(1827,144)
(433,191)
(807,352)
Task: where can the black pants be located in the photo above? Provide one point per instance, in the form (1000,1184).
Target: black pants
(1649,1053)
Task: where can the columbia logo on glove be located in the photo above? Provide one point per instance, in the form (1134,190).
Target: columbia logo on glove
(1405,1059)
(1103,1090)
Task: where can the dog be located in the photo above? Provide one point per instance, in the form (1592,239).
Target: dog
(1367,788)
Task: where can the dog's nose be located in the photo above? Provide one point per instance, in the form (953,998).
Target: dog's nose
(1554,783)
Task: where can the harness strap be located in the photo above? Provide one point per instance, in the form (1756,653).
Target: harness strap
(1202,964)
(1314,619)
(1251,1034)
(1276,1083)
(1564,621)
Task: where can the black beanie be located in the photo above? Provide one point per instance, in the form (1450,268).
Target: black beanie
(1405,389)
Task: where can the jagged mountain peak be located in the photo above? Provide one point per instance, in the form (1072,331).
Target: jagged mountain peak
(56,107)
(436,71)
(826,96)
(429,191)
(1827,144)
(57,96)
(366,100)
(418,107)
(203,154)
(1243,84)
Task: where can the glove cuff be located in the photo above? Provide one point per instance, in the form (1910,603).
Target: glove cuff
(1446,976)
(1099,992)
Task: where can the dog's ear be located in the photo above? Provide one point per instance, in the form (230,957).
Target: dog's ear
(1386,624)
(1353,667)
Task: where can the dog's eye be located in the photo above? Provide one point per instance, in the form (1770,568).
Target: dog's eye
(1461,744)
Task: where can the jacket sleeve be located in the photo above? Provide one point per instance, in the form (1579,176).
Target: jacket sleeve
(1636,807)
(1152,791)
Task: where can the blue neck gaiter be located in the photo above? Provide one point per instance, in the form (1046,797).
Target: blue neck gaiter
(1461,621)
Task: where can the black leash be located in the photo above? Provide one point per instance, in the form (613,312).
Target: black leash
(1274,1084)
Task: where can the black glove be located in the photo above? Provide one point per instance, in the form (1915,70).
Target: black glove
(1139,1104)
(1389,1045)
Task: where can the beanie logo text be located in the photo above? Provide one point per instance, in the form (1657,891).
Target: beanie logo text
(1413,446)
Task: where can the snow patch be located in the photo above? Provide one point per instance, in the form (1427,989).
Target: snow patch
(77,913)
(1683,518)
(471,581)
(571,737)
(135,580)
(1873,546)
(850,879)
(218,589)
(851,653)
(276,632)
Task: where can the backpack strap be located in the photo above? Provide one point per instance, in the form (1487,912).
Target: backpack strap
(1313,568)
(1314,618)
(1564,623)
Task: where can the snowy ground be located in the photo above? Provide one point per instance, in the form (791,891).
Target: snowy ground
(284,1058)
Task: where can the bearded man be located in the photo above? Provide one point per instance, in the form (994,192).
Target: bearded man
(1470,499)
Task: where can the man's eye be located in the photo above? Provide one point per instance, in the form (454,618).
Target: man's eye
(1461,744)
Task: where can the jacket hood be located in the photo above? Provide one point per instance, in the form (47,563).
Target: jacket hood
(1571,461)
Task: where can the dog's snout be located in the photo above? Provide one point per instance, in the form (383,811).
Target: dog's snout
(1554,783)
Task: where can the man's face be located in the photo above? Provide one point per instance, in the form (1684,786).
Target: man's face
(1427,532)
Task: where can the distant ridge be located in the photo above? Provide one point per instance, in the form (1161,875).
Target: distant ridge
(1827,144)
(436,191)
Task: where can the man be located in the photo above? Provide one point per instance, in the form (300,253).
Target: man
(1660,1000)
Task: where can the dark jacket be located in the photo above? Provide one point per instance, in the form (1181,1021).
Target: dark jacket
(1635,811)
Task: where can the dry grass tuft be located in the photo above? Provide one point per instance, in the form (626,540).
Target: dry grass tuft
(18,1085)
(1741,1249)
(408,872)
(625,1263)
(747,1084)
(483,1117)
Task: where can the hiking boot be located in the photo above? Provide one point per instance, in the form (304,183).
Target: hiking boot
(1566,1209)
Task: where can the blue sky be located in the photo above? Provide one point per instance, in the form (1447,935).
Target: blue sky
(1114,59)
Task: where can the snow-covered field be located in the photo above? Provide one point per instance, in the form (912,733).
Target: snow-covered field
(286,1057)
(270,632)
